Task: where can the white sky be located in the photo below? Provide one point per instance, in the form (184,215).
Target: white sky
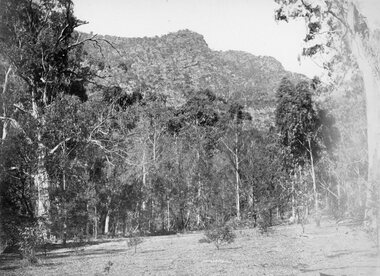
(246,25)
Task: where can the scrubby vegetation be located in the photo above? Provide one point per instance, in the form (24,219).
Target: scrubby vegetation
(134,241)
(219,235)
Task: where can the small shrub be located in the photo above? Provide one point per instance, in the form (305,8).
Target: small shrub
(220,235)
(204,240)
(29,240)
(134,241)
(108,266)
(264,222)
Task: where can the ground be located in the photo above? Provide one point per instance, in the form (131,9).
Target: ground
(331,249)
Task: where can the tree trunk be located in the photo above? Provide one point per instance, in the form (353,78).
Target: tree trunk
(107,222)
(42,181)
(144,174)
(5,121)
(293,199)
(87,223)
(237,196)
(372,91)
(339,193)
(367,66)
(95,232)
(168,203)
(316,205)
(40,175)
(199,194)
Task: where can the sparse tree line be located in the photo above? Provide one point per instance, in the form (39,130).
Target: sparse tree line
(82,156)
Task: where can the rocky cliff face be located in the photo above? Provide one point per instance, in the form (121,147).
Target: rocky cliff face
(179,62)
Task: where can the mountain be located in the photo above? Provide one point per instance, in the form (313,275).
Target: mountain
(179,62)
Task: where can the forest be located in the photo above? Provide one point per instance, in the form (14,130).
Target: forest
(106,136)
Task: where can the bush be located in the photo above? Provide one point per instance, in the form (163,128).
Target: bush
(29,239)
(220,235)
(264,222)
(108,266)
(134,241)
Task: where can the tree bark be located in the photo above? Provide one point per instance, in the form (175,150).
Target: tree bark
(316,204)
(40,176)
(199,195)
(372,88)
(371,81)
(107,222)
(237,179)
(168,203)
(95,223)
(41,181)
(5,121)
(144,175)
(293,198)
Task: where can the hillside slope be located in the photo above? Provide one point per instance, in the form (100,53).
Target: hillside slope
(179,62)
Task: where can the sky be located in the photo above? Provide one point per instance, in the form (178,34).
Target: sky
(245,25)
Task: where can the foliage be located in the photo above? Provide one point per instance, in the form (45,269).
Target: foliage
(219,235)
(298,122)
(108,266)
(134,240)
(264,221)
(29,240)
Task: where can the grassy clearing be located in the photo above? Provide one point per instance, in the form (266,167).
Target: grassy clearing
(287,251)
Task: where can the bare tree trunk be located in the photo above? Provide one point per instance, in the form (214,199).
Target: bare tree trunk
(3,137)
(168,204)
(5,121)
(107,222)
(87,223)
(367,62)
(41,176)
(199,195)
(316,204)
(293,199)
(144,174)
(42,181)
(95,223)
(372,90)
(251,198)
(199,203)
(63,206)
(237,176)
(339,193)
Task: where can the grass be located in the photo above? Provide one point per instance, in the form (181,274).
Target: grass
(286,251)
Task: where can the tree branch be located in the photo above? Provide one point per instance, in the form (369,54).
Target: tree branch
(16,125)
(59,144)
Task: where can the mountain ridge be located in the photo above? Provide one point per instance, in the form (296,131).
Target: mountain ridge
(182,61)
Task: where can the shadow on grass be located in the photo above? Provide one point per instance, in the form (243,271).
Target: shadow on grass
(339,253)
(10,267)
(229,248)
(55,246)
(152,251)
(26,265)
(338,267)
(12,261)
(86,253)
